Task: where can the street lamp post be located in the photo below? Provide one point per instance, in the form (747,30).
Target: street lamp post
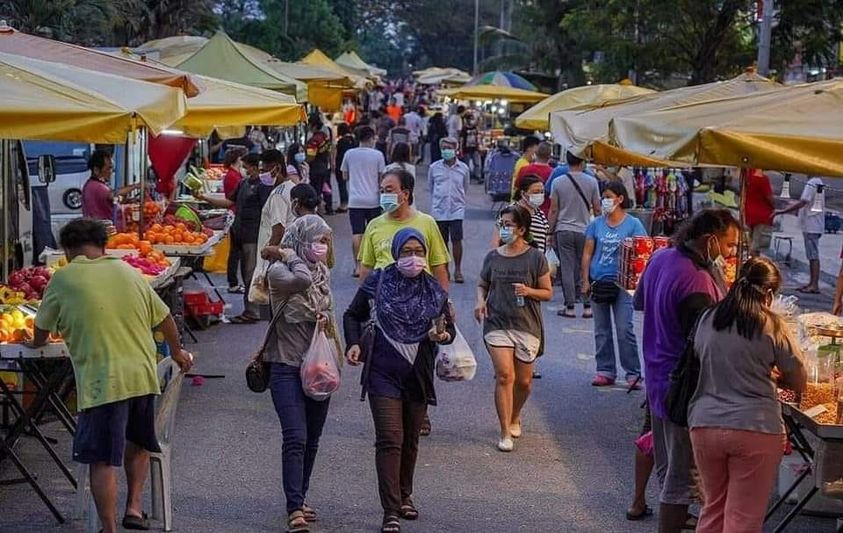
(476,32)
(764,37)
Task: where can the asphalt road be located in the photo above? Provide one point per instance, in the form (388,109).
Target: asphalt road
(571,471)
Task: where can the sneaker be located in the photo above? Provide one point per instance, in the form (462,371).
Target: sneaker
(567,312)
(602,381)
(506,445)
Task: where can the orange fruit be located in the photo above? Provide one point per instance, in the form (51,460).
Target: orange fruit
(181,227)
(155,228)
(169,239)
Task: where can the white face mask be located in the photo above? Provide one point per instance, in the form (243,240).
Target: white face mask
(536,199)
(608,205)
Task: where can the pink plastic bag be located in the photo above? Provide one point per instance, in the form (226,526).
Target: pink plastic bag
(320,372)
(645,443)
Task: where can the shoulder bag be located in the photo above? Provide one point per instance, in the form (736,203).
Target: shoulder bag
(579,191)
(257,372)
(684,380)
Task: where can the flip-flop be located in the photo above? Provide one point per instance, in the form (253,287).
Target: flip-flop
(639,516)
(459,279)
(242,319)
(137,523)
(804,290)
(566,314)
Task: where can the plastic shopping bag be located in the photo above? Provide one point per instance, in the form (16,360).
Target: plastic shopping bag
(645,443)
(552,261)
(455,361)
(218,260)
(320,372)
(259,288)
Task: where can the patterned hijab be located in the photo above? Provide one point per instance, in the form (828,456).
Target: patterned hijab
(405,306)
(303,307)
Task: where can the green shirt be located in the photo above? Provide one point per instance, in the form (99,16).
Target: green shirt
(376,248)
(105,310)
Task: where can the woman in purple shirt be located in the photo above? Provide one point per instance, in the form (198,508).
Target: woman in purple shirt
(97,197)
(677,285)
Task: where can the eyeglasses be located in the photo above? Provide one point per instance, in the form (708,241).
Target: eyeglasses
(510,225)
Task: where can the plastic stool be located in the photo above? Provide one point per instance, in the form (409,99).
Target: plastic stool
(776,242)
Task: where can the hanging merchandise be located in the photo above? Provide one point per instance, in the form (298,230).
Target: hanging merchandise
(665,192)
(819,200)
(786,187)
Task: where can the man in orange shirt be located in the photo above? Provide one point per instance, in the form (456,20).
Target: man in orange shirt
(394,110)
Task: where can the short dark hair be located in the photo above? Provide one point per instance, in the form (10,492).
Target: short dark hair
(306,196)
(253,160)
(98,159)
(365,133)
(524,185)
(573,160)
(408,182)
(620,190)
(400,153)
(705,222)
(82,232)
(744,306)
(460,109)
(528,142)
(522,219)
(232,155)
(343,128)
(273,157)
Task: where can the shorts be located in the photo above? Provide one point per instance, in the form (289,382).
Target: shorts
(451,230)
(360,218)
(102,431)
(526,346)
(674,462)
(812,246)
(762,236)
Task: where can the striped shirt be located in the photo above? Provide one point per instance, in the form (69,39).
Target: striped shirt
(539,228)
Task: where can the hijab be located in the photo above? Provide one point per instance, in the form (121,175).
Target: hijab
(303,307)
(405,306)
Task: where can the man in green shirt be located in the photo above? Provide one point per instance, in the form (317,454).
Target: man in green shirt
(106,312)
(396,198)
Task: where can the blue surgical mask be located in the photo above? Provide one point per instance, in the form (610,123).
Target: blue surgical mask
(448,154)
(300,157)
(505,234)
(389,201)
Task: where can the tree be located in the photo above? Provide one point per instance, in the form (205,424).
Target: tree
(82,21)
(811,28)
(139,21)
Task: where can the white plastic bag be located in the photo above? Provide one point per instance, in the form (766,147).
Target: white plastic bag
(320,372)
(455,361)
(552,261)
(259,288)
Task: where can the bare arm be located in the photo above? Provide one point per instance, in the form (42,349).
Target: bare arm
(587,254)
(440,272)
(224,203)
(171,334)
(41,337)
(480,311)
(796,206)
(544,292)
(551,218)
(838,294)
(364,272)
(277,235)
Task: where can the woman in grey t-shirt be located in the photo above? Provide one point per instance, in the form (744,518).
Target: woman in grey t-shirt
(513,282)
(734,416)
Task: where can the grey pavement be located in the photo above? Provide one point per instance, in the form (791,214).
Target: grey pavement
(571,471)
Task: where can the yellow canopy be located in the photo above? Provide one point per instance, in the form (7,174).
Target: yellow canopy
(353,61)
(226,104)
(221,58)
(795,129)
(492,92)
(588,96)
(317,58)
(585,132)
(51,101)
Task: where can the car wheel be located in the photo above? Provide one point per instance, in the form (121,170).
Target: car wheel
(73,199)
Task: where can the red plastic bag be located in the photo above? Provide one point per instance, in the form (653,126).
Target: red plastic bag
(320,371)
(645,443)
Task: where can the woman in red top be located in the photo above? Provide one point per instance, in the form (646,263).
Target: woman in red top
(759,210)
(230,181)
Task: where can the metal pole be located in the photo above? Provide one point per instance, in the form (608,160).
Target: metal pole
(476,33)
(6,198)
(286,16)
(764,37)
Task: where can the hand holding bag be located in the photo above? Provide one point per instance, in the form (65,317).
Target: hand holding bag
(320,371)
(455,361)
(259,288)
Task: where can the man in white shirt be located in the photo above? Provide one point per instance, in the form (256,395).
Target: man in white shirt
(455,123)
(414,123)
(448,180)
(361,169)
(812,222)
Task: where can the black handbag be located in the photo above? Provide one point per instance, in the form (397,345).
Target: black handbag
(257,371)
(683,381)
(604,292)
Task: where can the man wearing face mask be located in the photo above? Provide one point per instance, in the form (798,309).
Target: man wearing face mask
(396,200)
(248,200)
(448,180)
(677,285)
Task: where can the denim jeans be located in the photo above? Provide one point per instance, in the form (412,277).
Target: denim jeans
(604,340)
(302,420)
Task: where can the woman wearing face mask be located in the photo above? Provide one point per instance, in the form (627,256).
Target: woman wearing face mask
(297,168)
(305,202)
(234,173)
(411,315)
(600,262)
(300,290)
(745,352)
(514,280)
(530,196)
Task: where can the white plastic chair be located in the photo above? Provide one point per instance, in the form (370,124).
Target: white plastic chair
(160,473)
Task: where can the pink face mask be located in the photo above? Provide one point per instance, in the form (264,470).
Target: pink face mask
(318,252)
(412,266)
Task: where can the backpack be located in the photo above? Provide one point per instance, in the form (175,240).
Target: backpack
(499,175)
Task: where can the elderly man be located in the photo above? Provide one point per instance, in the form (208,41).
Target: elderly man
(448,180)
(114,359)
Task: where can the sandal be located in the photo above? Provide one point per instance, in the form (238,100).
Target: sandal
(138,523)
(425,428)
(639,516)
(567,313)
(458,278)
(391,524)
(806,290)
(587,312)
(236,289)
(243,319)
(409,511)
(296,523)
(309,513)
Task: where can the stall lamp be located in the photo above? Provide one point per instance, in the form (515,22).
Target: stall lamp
(504,103)
(494,109)
(172,132)
(487,102)
(786,187)
(502,110)
(819,200)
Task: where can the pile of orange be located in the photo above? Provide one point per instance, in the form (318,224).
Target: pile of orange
(174,234)
(130,241)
